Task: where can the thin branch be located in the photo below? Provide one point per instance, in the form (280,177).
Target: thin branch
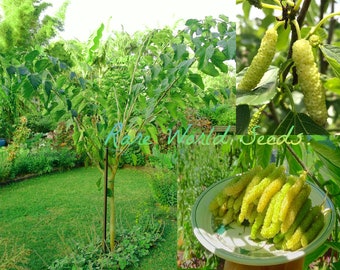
(303,165)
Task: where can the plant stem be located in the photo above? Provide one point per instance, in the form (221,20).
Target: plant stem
(111,185)
(264,5)
(277,25)
(297,28)
(297,5)
(325,19)
(277,2)
(303,12)
(290,149)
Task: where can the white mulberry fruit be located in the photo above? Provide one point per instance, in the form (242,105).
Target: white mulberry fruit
(260,62)
(309,80)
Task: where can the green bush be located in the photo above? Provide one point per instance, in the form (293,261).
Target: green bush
(199,166)
(162,160)
(5,166)
(133,156)
(41,124)
(37,161)
(164,187)
(131,245)
(221,115)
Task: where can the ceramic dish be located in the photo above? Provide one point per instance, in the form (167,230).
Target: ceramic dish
(234,244)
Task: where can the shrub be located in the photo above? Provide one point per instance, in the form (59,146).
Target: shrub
(5,166)
(199,166)
(132,244)
(41,124)
(220,115)
(162,160)
(164,187)
(40,161)
(133,156)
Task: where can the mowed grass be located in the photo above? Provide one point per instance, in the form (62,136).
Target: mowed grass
(49,214)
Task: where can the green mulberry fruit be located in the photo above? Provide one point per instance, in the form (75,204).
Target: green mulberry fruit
(260,62)
(309,80)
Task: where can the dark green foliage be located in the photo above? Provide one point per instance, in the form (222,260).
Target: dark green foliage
(37,162)
(133,156)
(220,115)
(198,167)
(132,244)
(41,124)
(23,24)
(163,160)
(164,187)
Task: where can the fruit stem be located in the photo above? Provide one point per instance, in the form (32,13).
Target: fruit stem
(277,25)
(325,19)
(297,28)
(264,5)
(297,5)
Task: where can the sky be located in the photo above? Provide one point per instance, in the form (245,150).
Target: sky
(83,17)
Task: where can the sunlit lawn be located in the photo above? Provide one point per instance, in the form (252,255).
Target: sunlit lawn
(48,214)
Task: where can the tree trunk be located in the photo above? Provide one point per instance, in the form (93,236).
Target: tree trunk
(111,198)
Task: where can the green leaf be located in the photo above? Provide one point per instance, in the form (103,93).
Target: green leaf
(209,51)
(134,159)
(333,245)
(22,70)
(330,155)
(218,59)
(230,48)
(96,43)
(302,124)
(264,92)
(35,80)
(11,70)
(184,66)
(82,82)
(196,79)
(222,28)
(180,51)
(210,69)
(41,65)
(27,90)
(317,253)
(31,56)
(172,109)
(246,7)
(153,133)
(48,87)
(61,81)
(242,118)
(333,85)
(69,104)
(263,154)
(294,165)
(332,55)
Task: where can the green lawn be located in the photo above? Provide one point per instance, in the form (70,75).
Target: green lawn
(48,214)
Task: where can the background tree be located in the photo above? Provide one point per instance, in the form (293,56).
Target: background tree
(22,25)
(24,69)
(127,85)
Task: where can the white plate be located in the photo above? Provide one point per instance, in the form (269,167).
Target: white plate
(235,245)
